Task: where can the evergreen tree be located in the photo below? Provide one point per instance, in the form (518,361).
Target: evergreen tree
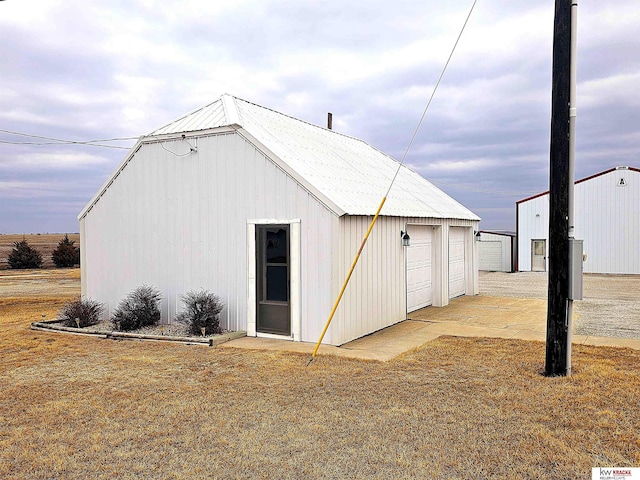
(24,255)
(66,253)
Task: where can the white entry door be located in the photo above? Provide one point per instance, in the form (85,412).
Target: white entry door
(419,267)
(456,262)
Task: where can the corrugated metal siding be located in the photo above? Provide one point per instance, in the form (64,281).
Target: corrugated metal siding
(607,218)
(376,295)
(179,223)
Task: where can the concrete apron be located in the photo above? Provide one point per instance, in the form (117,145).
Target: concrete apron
(467,316)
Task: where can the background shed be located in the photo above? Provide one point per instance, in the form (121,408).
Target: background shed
(497,251)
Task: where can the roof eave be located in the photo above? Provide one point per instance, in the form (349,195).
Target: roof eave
(190,133)
(110,180)
(613,169)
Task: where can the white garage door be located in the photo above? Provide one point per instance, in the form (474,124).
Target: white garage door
(490,256)
(456,262)
(419,267)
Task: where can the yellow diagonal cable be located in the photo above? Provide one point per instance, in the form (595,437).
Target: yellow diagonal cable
(344,286)
(384,199)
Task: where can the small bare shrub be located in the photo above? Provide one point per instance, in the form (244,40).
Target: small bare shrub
(86,311)
(139,309)
(203,311)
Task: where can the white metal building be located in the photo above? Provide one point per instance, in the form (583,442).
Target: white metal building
(607,218)
(496,251)
(268,211)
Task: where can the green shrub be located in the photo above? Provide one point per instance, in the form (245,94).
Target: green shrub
(66,253)
(203,311)
(86,311)
(24,255)
(139,309)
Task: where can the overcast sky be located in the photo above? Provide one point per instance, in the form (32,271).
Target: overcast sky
(85,70)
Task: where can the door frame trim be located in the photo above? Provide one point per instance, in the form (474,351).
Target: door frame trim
(295,283)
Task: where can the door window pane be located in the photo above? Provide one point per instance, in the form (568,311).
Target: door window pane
(538,247)
(276,250)
(277,283)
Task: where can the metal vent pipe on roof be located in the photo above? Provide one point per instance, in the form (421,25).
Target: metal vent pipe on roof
(330,121)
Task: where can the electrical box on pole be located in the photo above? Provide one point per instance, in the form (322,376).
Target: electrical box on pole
(576,259)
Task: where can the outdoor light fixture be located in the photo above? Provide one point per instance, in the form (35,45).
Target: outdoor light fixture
(406,239)
(477,234)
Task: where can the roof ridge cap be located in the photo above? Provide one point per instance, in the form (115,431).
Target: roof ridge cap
(304,121)
(231,110)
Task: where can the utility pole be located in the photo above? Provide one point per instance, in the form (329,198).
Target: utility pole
(560,304)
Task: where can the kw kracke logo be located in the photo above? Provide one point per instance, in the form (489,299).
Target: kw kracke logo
(613,473)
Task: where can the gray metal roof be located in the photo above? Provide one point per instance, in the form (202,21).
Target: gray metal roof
(348,172)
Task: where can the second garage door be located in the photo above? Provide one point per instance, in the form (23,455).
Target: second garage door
(419,267)
(456,262)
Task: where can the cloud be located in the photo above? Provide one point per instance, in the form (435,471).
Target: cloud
(53,161)
(447,166)
(25,189)
(84,70)
(621,89)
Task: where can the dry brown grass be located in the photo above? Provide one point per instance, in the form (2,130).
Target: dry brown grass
(78,407)
(45,243)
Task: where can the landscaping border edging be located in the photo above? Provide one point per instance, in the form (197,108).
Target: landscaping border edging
(49,325)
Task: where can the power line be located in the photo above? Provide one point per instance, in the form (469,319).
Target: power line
(60,141)
(424,113)
(89,144)
(71,141)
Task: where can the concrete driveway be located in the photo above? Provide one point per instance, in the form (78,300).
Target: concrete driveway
(509,306)
(479,316)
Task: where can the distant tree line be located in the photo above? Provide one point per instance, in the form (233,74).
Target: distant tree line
(24,255)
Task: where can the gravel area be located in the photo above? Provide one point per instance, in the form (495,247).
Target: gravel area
(610,307)
(169,330)
(173,330)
